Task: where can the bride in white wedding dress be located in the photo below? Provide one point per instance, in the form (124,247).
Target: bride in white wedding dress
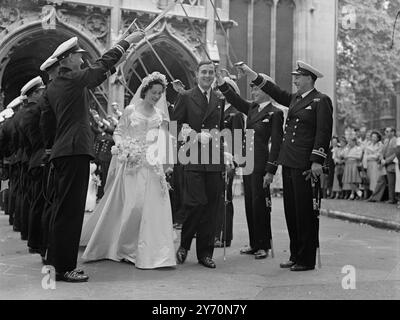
(133,220)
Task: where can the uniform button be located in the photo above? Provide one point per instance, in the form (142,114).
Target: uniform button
(294,133)
(297,120)
(295,127)
(251,149)
(202,125)
(283,139)
(284,132)
(292,140)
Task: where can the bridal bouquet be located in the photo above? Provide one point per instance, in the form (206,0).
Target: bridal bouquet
(131,151)
(96,180)
(134,153)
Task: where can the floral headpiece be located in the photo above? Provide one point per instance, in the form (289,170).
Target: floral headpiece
(154,76)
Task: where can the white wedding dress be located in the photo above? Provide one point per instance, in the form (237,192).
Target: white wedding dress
(133,220)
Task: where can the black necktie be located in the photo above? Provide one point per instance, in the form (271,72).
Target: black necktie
(205,96)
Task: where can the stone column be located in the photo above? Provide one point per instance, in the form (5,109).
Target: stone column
(273,40)
(115,90)
(211,30)
(397,90)
(250,36)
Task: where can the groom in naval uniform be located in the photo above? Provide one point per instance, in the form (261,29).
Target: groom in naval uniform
(304,149)
(67,98)
(199,108)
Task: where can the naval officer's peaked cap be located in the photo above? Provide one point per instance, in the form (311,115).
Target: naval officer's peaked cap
(305,69)
(35,83)
(48,64)
(6,113)
(66,48)
(15,103)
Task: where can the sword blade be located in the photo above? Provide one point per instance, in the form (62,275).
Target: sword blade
(161,15)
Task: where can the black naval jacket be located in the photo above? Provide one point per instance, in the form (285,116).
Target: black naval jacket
(308,127)
(31,129)
(267,124)
(15,138)
(233,120)
(6,146)
(67,98)
(191,108)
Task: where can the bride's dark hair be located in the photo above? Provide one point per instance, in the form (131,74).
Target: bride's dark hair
(149,85)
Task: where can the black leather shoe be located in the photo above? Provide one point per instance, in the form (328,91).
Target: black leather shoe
(207,262)
(71,276)
(247,250)
(287,264)
(260,254)
(181,255)
(298,267)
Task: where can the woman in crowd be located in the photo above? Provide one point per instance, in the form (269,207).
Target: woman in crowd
(373,155)
(351,174)
(338,158)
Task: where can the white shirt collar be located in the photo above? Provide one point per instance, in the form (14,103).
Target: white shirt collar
(263,105)
(305,94)
(208,92)
(227,105)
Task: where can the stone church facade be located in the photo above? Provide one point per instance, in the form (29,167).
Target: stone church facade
(270,35)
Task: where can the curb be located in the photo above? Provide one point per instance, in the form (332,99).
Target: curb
(375,222)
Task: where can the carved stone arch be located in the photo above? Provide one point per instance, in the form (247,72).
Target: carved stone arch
(180,58)
(288,3)
(26,45)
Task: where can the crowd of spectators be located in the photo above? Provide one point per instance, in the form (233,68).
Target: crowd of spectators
(364,165)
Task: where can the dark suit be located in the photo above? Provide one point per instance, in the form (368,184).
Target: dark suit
(31,129)
(103,144)
(16,167)
(48,132)
(67,99)
(22,146)
(306,140)
(268,126)
(7,152)
(203,183)
(233,120)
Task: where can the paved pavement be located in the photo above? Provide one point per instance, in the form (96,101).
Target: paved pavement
(372,257)
(379,215)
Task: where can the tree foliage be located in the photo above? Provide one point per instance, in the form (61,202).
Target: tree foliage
(366,65)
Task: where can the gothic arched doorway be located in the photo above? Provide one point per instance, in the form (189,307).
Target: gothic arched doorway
(25,49)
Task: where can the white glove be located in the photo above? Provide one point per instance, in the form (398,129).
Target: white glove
(204,137)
